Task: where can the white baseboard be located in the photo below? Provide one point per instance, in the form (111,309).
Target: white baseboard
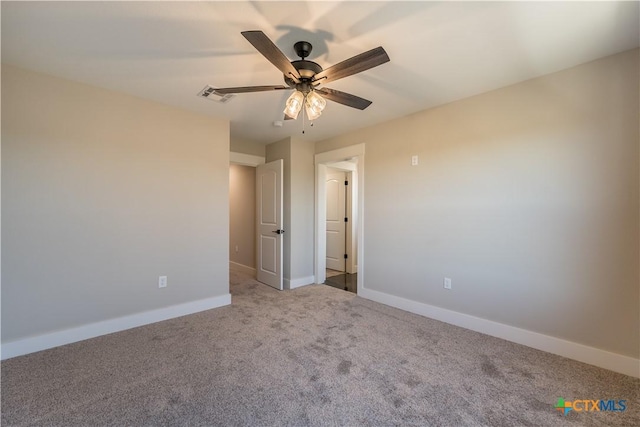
(242,268)
(296,283)
(582,353)
(92,330)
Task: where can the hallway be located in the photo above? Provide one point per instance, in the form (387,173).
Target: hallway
(344,281)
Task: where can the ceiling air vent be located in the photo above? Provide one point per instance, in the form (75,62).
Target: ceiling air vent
(210,93)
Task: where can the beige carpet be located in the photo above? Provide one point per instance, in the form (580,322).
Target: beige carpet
(313,356)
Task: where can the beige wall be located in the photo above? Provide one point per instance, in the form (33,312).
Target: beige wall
(527,197)
(101,194)
(242,214)
(239,145)
(302,208)
(298,201)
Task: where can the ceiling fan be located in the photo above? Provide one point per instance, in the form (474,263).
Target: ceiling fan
(306,76)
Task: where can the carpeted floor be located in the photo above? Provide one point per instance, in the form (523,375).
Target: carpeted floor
(313,356)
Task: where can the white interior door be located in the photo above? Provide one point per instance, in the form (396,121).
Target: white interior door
(336,227)
(269,223)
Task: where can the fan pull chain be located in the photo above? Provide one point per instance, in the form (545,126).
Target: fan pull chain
(303,118)
(303,114)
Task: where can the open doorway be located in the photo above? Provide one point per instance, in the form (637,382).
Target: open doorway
(242,209)
(332,170)
(341,220)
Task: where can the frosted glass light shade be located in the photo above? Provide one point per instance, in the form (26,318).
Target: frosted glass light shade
(314,104)
(294,104)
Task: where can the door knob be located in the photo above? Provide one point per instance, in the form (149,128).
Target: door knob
(278,231)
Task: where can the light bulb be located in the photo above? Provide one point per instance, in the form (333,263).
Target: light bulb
(314,104)
(294,104)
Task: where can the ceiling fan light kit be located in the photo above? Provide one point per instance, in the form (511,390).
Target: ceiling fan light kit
(305,77)
(294,104)
(314,104)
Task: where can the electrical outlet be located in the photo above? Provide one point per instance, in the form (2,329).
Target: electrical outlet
(237,249)
(162,281)
(447,283)
(414,160)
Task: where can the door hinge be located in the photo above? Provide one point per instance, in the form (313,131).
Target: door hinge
(346,183)
(346,219)
(346,256)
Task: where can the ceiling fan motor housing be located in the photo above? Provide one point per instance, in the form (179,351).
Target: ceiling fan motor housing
(307,69)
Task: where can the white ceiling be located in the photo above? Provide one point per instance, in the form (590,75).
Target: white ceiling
(440,51)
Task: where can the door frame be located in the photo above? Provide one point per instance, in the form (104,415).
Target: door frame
(347,153)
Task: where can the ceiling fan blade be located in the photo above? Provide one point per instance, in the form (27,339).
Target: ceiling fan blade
(354,65)
(344,98)
(269,50)
(245,89)
(287,117)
